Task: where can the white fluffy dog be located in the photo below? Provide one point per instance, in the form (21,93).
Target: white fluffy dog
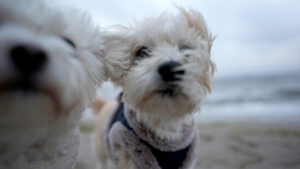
(164,69)
(48,74)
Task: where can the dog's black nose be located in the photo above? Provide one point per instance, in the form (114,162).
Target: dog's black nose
(168,71)
(28,59)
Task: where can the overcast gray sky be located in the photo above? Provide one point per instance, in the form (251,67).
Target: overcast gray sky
(254,36)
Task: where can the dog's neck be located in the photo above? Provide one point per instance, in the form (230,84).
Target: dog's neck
(165,127)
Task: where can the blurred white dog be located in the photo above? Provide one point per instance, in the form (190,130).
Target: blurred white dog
(165,71)
(48,73)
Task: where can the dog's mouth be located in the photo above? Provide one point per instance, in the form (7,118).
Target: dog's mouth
(19,85)
(24,86)
(169,91)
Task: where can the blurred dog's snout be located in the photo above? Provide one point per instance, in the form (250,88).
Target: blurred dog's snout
(169,72)
(28,60)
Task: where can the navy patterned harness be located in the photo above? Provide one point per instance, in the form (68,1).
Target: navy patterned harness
(166,159)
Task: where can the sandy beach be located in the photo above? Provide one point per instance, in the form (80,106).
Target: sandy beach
(234,145)
(246,146)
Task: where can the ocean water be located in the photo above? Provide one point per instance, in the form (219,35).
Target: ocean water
(264,98)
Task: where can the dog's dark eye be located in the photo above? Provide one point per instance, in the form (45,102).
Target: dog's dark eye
(185,47)
(70,42)
(143,52)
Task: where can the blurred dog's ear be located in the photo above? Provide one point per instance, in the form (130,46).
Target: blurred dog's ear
(116,54)
(208,73)
(196,21)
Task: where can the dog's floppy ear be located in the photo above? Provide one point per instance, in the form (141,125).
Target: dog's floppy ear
(196,21)
(115,54)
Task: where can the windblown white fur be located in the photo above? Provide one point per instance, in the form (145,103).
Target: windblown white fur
(181,37)
(39,129)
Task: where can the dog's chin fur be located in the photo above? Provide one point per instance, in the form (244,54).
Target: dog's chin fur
(165,127)
(38,126)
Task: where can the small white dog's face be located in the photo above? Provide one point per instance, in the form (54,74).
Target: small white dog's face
(48,64)
(170,64)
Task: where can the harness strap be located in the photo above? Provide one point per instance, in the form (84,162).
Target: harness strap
(166,159)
